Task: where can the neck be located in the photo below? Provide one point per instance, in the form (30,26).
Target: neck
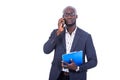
(71,29)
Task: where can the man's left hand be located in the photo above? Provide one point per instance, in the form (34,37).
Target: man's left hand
(71,66)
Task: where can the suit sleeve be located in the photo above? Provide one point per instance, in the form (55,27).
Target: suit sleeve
(90,54)
(50,44)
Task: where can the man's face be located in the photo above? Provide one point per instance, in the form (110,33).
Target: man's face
(70,16)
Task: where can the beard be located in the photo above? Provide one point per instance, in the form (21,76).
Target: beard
(70,25)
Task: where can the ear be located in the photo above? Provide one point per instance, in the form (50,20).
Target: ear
(76,16)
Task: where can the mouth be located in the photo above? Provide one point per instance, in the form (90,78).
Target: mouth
(69,21)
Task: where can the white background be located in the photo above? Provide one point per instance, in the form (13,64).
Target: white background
(25,26)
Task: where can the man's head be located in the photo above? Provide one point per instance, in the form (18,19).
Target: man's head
(70,16)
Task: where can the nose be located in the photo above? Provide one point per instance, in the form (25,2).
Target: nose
(69,17)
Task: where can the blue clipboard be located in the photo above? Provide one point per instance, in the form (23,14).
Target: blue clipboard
(76,56)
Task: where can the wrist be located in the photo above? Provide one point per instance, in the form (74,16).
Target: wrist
(58,32)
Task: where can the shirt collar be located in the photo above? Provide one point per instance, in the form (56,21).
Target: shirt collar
(72,32)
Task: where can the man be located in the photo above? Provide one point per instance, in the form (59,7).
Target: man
(69,38)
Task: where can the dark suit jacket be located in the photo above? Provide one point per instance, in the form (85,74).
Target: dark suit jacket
(82,41)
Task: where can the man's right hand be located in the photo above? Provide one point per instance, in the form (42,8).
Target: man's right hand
(61,23)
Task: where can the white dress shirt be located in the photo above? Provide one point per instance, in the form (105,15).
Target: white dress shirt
(69,40)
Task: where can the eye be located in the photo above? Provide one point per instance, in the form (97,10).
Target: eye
(69,14)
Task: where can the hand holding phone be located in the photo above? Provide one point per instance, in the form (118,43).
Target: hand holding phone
(61,23)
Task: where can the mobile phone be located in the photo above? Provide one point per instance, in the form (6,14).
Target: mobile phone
(63,22)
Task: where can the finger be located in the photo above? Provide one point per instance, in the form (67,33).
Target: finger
(64,64)
(60,23)
(61,20)
(72,63)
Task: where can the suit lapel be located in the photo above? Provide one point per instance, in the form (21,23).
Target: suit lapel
(63,40)
(75,41)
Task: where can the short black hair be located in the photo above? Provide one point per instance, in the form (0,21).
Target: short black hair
(71,8)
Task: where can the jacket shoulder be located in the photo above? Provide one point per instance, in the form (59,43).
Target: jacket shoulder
(82,32)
